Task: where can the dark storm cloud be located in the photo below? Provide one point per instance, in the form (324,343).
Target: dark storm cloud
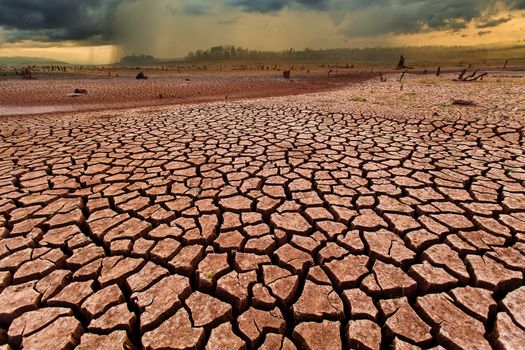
(412,16)
(94,20)
(388,16)
(492,22)
(267,6)
(191,8)
(277,5)
(263,6)
(58,19)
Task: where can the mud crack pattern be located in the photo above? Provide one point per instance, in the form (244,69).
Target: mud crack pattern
(244,226)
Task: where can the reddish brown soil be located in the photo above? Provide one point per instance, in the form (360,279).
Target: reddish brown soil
(268,224)
(49,93)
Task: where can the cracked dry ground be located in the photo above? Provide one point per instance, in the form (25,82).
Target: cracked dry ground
(261,226)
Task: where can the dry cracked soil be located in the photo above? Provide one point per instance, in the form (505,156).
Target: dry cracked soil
(269,224)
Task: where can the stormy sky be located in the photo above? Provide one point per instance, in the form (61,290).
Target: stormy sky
(172,28)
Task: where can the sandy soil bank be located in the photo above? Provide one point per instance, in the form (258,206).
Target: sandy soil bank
(49,93)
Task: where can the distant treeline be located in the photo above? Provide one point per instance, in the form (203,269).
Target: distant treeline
(29,61)
(138,59)
(424,55)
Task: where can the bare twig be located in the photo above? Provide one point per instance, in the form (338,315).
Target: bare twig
(402,75)
(470,76)
(461,74)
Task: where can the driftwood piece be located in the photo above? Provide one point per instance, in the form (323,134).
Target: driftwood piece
(478,77)
(470,77)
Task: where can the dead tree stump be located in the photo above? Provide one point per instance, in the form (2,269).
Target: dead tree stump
(401,64)
(26,73)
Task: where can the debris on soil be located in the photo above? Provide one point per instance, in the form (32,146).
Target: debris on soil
(463,102)
(141,76)
(471,77)
(81,91)
(286,74)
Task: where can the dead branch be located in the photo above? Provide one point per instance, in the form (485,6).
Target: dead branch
(461,74)
(474,78)
(402,75)
(470,76)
